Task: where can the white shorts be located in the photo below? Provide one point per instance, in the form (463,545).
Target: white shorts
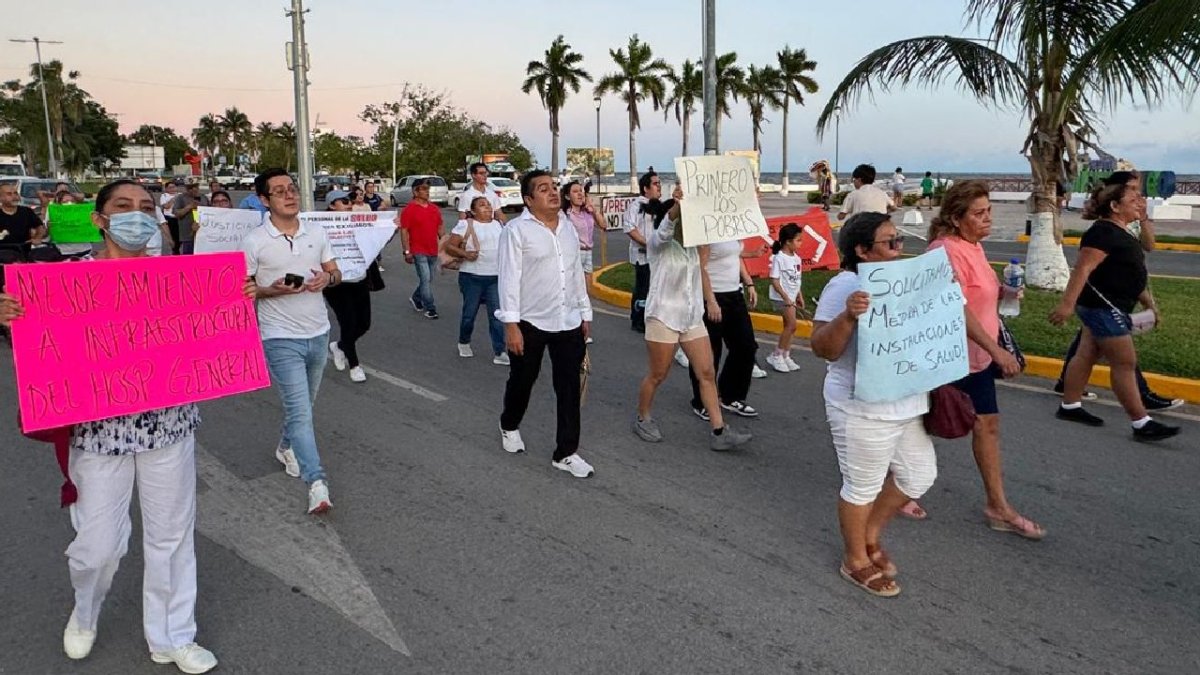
(657,331)
(585,258)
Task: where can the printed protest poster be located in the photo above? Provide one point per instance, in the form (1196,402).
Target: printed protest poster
(613,210)
(72,224)
(914,337)
(356,236)
(224,229)
(104,338)
(720,200)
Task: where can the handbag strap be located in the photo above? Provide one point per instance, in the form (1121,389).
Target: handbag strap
(1101,296)
(471,233)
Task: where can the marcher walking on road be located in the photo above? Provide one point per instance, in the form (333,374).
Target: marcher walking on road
(166,202)
(476,243)
(291,263)
(964,221)
(479,187)
(421,232)
(544,307)
(184,209)
(885,456)
(634,222)
(350,301)
(587,220)
(372,197)
(786,294)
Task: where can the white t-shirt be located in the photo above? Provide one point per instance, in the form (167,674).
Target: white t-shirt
(154,247)
(469,195)
(725,266)
(634,218)
(270,256)
(489,247)
(839,375)
(165,199)
(897,181)
(786,268)
(866,199)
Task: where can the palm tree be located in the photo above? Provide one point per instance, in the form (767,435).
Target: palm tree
(763,88)
(208,135)
(286,133)
(264,135)
(639,75)
(687,87)
(551,78)
(1059,61)
(794,67)
(729,86)
(237,129)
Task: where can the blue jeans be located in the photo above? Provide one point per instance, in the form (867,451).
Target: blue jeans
(480,289)
(296,366)
(423,295)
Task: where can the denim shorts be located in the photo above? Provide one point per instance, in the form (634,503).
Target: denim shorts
(981,387)
(1104,322)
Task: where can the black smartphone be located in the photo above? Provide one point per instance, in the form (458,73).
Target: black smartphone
(293,280)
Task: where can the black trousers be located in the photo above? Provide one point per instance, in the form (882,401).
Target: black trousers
(351,303)
(173,227)
(641,288)
(737,333)
(566,356)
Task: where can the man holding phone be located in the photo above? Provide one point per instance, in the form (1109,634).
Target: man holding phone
(292,263)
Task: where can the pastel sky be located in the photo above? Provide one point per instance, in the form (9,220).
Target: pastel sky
(168,63)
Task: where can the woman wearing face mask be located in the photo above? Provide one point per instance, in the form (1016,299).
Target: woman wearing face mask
(154,450)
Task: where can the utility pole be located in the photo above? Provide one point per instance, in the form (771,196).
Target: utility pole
(709,24)
(299,67)
(37,46)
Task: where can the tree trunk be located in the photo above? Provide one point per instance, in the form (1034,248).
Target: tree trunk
(1045,265)
(717,132)
(633,177)
(687,127)
(554,143)
(783,187)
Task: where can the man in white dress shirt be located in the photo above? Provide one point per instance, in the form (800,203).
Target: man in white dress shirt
(545,307)
(479,187)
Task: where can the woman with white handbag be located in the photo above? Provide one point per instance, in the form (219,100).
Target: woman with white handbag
(475,243)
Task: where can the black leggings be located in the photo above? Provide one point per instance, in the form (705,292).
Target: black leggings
(351,303)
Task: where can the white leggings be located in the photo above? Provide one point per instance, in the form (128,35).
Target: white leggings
(868,448)
(166,480)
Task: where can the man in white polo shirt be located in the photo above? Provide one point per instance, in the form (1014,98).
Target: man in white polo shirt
(866,198)
(479,188)
(292,263)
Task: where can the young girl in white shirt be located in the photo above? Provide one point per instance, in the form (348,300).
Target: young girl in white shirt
(785,293)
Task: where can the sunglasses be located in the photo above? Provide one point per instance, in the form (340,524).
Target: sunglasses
(894,243)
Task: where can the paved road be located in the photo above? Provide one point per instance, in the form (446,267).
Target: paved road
(446,555)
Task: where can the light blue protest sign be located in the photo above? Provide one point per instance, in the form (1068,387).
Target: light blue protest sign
(914,336)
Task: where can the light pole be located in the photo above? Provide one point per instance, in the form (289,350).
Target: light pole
(837,137)
(37,47)
(596,157)
(299,65)
(709,23)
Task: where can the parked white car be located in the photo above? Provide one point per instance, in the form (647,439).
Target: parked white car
(439,193)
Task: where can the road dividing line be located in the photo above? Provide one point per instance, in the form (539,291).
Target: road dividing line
(405,384)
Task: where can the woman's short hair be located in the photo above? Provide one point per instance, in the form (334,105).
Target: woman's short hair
(859,230)
(955,204)
(475,201)
(1106,195)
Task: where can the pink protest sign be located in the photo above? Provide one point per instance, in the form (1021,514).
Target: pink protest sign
(115,337)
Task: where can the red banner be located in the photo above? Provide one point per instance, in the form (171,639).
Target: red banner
(818,245)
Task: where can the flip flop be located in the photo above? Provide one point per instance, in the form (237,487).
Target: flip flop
(913,511)
(871,580)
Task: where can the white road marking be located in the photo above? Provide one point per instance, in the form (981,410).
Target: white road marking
(264,523)
(405,384)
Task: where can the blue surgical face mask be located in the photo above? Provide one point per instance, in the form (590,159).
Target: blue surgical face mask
(131,230)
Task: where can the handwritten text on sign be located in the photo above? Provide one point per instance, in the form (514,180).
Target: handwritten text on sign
(914,337)
(116,337)
(720,200)
(355,236)
(224,229)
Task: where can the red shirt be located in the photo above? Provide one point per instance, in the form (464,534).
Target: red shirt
(422,223)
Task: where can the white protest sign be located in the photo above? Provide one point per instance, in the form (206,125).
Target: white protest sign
(356,237)
(613,209)
(914,337)
(224,229)
(720,200)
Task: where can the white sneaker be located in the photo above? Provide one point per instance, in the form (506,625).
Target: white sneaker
(792,365)
(357,374)
(588,340)
(339,356)
(511,440)
(190,658)
(575,466)
(318,499)
(77,643)
(758,373)
(465,351)
(776,361)
(287,458)
(502,359)
(681,358)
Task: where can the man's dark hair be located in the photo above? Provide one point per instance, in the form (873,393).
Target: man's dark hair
(859,230)
(644,181)
(420,182)
(214,193)
(527,181)
(475,167)
(865,173)
(260,181)
(928,174)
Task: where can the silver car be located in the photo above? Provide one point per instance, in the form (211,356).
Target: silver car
(439,193)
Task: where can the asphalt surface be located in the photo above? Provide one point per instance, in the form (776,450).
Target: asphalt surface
(444,554)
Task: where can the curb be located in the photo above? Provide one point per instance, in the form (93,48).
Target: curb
(1037,366)
(1158,246)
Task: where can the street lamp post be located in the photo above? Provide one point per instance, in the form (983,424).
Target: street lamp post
(37,46)
(299,64)
(596,157)
(837,137)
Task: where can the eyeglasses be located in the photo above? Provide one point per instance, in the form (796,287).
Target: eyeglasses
(894,243)
(288,191)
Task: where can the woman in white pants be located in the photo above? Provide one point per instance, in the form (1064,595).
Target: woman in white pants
(155,450)
(870,438)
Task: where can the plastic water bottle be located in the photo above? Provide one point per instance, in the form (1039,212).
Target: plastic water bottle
(1014,281)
